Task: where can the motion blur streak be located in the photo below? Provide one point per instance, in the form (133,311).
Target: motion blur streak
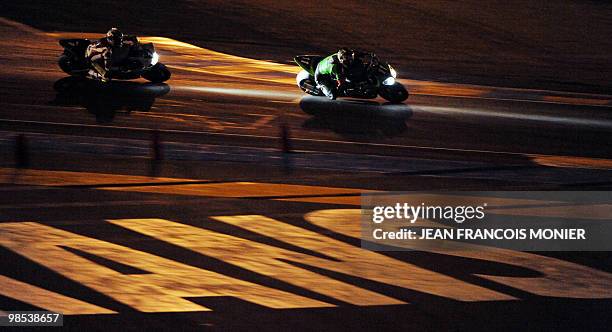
(553,119)
(223,64)
(576,101)
(559,278)
(567,161)
(284,95)
(241,189)
(66,178)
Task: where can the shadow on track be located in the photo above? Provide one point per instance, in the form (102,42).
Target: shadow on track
(355,118)
(105,100)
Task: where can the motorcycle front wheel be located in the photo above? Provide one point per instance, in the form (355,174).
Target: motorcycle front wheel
(157,74)
(395,93)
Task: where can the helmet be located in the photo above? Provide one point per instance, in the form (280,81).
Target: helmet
(114,36)
(346,57)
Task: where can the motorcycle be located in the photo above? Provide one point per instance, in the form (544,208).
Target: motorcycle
(141,61)
(380,79)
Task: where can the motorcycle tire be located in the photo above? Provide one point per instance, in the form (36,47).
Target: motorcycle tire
(157,74)
(306,83)
(395,93)
(65,63)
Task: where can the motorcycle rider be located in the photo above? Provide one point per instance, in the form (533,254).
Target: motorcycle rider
(105,52)
(333,71)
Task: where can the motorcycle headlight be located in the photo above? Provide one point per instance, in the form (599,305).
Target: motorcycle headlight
(389,81)
(154,58)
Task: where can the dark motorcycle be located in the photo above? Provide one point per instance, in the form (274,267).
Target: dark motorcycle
(378,80)
(141,61)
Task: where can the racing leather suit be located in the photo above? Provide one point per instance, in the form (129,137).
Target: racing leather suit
(327,75)
(330,75)
(102,55)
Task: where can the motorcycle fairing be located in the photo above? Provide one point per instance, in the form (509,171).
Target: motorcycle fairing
(308,62)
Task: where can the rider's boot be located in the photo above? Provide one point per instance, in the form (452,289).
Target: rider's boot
(327,91)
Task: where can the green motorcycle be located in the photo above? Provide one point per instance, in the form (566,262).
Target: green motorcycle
(379,79)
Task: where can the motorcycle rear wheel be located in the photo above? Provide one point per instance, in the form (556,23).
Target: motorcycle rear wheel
(65,63)
(306,83)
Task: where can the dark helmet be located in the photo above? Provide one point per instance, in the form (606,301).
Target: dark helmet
(114,36)
(346,56)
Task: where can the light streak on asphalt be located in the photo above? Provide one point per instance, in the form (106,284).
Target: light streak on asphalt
(601,123)
(256,93)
